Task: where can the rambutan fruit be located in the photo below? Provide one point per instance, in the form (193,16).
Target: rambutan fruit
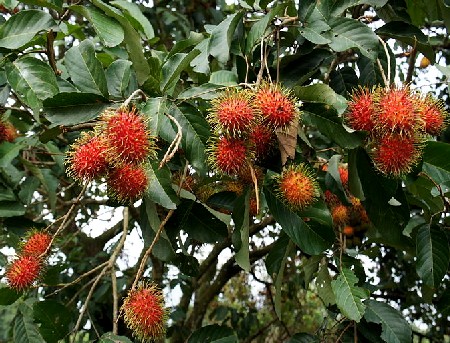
(360,110)
(433,114)
(127,136)
(234,186)
(144,312)
(228,155)
(262,139)
(86,158)
(331,199)
(24,271)
(37,243)
(396,111)
(394,155)
(127,183)
(278,107)
(297,186)
(253,206)
(233,112)
(348,231)
(343,173)
(340,215)
(8,132)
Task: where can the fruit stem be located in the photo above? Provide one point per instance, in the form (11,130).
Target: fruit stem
(136,92)
(386,79)
(173,148)
(255,183)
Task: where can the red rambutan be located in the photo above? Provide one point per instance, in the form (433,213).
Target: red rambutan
(343,172)
(277,105)
(297,187)
(87,158)
(24,271)
(227,155)
(233,112)
(127,183)
(395,155)
(360,111)
(262,139)
(144,312)
(8,132)
(348,231)
(126,136)
(433,114)
(331,198)
(36,244)
(395,111)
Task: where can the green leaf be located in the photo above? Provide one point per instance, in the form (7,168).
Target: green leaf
(32,80)
(344,80)
(348,296)
(23,26)
(85,69)
(11,209)
(303,338)
(118,77)
(324,289)
(25,330)
(73,108)
(310,238)
(224,78)
(275,256)
(109,337)
(323,94)
(221,36)
(160,188)
(213,334)
(206,91)
(434,165)
(8,152)
(54,4)
(433,255)
(54,319)
(173,67)
(333,8)
(199,223)
(280,278)
(8,296)
(108,29)
(348,33)
(395,328)
(408,34)
(314,26)
(132,41)
(135,17)
(241,219)
(259,28)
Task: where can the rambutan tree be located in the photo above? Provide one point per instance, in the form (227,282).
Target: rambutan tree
(224,171)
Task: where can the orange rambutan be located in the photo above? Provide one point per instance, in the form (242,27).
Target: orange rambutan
(396,111)
(343,173)
(360,110)
(297,186)
(144,312)
(433,114)
(348,231)
(127,136)
(233,112)
(278,107)
(395,155)
(24,271)
(262,139)
(127,183)
(37,243)
(86,159)
(227,155)
(340,215)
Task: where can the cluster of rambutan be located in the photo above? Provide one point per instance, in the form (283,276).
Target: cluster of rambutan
(25,270)
(118,149)
(348,219)
(8,132)
(398,122)
(144,312)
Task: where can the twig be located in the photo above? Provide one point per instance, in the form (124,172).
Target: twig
(78,127)
(343,331)
(173,148)
(111,262)
(412,60)
(255,183)
(386,80)
(115,329)
(136,92)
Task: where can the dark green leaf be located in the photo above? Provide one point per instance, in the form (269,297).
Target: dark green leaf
(433,255)
(395,328)
(54,4)
(224,78)
(324,289)
(73,108)
(241,219)
(85,69)
(434,165)
(173,67)
(22,27)
(310,238)
(8,296)
(160,189)
(25,330)
(135,16)
(54,319)
(275,256)
(323,94)
(213,334)
(11,209)
(349,296)
(8,152)
(206,91)
(108,29)
(303,338)
(333,8)
(344,80)
(111,338)
(118,77)
(408,34)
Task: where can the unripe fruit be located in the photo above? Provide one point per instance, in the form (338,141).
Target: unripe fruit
(227,155)
(233,112)
(360,111)
(37,244)
(433,114)
(340,215)
(128,183)
(144,312)
(276,104)
(23,272)
(297,187)
(87,158)
(396,111)
(395,155)
(127,137)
